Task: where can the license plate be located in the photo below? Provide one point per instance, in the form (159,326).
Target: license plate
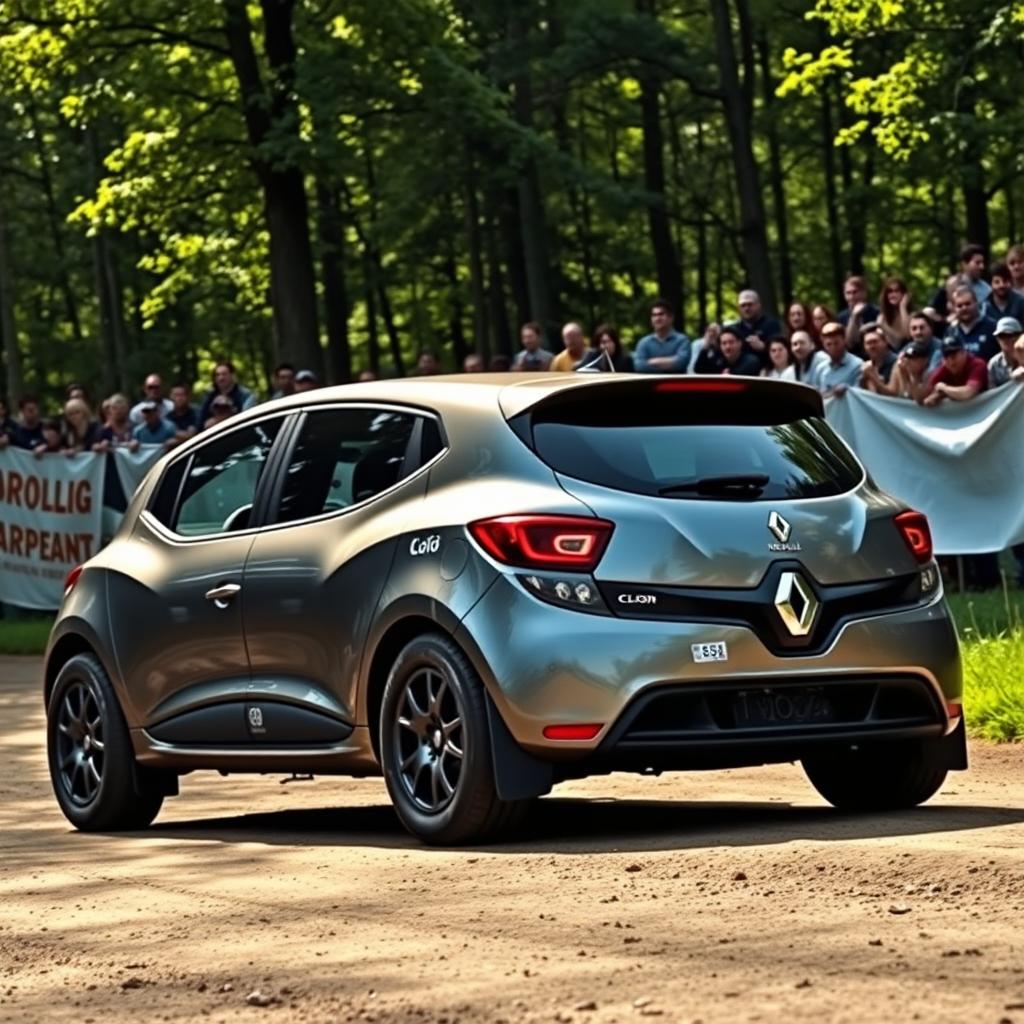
(710,652)
(755,709)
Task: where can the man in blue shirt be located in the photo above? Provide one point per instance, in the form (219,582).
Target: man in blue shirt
(666,350)
(976,333)
(1003,301)
(843,369)
(153,429)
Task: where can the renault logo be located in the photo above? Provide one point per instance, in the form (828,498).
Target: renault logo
(796,603)
(781,530)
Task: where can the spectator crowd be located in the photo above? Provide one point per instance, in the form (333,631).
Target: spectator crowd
(967,339)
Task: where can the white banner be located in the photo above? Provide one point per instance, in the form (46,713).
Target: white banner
(961,463)
(133,466)
(50,510)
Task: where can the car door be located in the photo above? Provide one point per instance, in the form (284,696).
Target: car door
(316,571)
(176,605)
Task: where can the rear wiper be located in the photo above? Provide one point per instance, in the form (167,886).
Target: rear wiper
(719,484)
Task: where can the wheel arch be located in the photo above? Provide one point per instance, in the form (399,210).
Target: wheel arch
(73,641)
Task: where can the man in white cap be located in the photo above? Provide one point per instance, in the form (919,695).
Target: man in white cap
(1004,362)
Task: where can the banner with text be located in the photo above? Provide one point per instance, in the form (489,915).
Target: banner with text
(961,463)
(50,512)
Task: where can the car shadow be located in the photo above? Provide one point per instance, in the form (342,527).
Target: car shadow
(576,825)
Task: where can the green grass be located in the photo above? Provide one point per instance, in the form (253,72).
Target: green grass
(24,636)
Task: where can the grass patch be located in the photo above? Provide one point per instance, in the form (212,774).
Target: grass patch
(25,636)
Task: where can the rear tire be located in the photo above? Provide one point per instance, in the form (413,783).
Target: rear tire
(95,778)
(436,749)
(885,777)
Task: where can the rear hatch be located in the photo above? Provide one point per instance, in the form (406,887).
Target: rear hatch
(712,482)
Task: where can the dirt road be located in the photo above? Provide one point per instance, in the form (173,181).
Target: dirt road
(724,897)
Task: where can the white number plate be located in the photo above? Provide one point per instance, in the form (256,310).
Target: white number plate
(710,652)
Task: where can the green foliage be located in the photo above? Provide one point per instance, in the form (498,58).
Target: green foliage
(25,635)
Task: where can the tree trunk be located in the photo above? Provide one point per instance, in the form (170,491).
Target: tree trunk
(515,259)
(456,313)
(477,286)
(372,335)
(828,136)
(976,202)
(331,230)
(271,119)
(8,325)
(753,232)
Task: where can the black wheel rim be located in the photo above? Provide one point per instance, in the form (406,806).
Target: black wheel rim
(428,740)
(80,743)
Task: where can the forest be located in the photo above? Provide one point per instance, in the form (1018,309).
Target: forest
(341,183)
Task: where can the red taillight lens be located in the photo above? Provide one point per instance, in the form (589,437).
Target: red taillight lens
(544,542)
(712,384)
(914,527)
(571,732)
(72,578)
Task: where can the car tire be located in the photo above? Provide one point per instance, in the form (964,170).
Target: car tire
(880,778)
(440,776)
(93,770)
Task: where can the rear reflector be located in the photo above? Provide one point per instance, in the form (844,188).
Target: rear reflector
(914,527)
(72,578)
(712,384)
(571,732)
(954,710)
(573,543)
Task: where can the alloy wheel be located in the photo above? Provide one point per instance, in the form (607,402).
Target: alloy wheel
(80,743)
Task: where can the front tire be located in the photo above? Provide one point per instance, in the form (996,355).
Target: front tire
(885,777)
(98,785)
(436,749)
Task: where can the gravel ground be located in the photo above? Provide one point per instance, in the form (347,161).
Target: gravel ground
(728,896)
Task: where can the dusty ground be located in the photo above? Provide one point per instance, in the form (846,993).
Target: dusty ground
(723,897)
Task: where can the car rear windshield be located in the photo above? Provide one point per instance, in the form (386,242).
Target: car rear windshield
(640,452)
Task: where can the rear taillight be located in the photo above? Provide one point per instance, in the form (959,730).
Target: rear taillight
(72,578)
(571,543)
(914,528)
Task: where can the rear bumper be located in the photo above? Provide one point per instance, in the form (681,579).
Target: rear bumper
(544,665)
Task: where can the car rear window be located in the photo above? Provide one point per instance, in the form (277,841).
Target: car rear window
(668,450)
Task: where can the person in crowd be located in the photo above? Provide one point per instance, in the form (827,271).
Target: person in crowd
(152,391)
(909,377)
(221,408)
(51,438)
(755,326)
(1003,300)
(30,426)
(972,267)
(820,315)
(858,311)
(366,376)
(305,380)
(709,353)
(8,427)
(1014,260)
(183,416)
(894,304)
(76,390)
(664,350)
(225,385)
(737,360)
(532,356)
(427,365)
(880,360)
(575,351)
(609,344)
(976,333)
(708,341)
(118,428)
(1018,355)
(922,331)
(808,360)
(81,432)
(284,380)
(1002,365)
(500,363)
(473,363)
(843,369)
(800,317)
(153,429)
(779,359)
(960,377)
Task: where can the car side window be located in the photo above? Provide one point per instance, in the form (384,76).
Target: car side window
(343,457)
(219,487)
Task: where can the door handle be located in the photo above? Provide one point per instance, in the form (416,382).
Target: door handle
(223,595)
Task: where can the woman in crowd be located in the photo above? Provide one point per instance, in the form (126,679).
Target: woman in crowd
(606,339)
(807,360)
(894,319)
(118,427)
(81,432)
(820,316)
(800,318)
(779,358)
(709,358)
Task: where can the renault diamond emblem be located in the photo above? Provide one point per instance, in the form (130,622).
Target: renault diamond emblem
(781,530)
(796,603)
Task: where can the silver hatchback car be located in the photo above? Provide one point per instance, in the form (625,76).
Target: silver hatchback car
(481,586)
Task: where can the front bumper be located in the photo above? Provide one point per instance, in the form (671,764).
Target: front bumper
(543,665)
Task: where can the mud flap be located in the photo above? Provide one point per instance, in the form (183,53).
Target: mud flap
(517,774)
(953,748)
